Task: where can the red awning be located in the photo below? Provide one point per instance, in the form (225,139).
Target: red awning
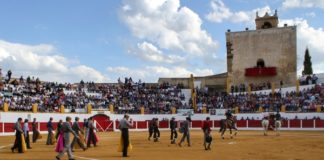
(265,71)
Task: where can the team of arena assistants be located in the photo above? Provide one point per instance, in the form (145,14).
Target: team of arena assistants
(184,129)
(83,137)
(61,136)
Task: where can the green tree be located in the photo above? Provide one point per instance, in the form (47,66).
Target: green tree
(307,63)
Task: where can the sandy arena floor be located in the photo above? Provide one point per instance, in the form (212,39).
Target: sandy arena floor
(247,145)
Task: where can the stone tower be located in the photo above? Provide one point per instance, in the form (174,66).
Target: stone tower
(267,54)
(266,21)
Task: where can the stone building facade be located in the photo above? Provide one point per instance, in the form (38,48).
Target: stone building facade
(267,54)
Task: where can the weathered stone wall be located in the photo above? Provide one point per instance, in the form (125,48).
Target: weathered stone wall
(276,46)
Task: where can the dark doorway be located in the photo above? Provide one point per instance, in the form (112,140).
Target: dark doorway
(267,25)
(260,63)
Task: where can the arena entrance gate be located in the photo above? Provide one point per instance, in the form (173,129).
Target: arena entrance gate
(103,122)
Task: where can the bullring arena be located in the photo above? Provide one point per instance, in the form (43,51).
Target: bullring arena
(299,139)
(278,116)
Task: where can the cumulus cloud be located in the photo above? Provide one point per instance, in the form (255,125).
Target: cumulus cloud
(303,3)
(152,73)
(220,12)
(310,37)
(148,52)
(44,62)
(168,25)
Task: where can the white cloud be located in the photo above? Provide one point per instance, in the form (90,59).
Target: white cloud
(303,3)
(310,37)
(148,52)
(311,14)
(168,25)
(220,12)
(152,73)
(42,61)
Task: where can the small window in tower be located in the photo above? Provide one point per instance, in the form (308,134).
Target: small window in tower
(266,25)
(260,63)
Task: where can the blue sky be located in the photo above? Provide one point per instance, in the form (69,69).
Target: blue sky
(102,40)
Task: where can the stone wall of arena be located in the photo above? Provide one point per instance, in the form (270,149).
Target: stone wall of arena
(109,122)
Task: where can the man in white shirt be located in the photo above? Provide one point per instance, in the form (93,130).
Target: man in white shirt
(26,133)
(124,124)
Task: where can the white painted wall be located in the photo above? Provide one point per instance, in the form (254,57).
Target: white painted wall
(11,117)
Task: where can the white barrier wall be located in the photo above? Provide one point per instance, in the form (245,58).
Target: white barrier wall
(11,117)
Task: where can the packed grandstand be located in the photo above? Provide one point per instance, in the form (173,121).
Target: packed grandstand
(129,96)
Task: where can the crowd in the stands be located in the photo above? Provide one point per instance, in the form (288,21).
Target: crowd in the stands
(129,96)
(304,101)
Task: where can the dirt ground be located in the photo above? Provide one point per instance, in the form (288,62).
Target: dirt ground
(247,145)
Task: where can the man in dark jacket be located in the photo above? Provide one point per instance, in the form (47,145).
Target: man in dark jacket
(186,134)
(151,128)
(50,132)
(35,130)
(173,128)
(156,131)
(18,142)
(76,128)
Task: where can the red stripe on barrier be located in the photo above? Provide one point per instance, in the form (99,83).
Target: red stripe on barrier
(9,127)
(308,123)
(241,123)
(142,124)
(108,125)
(319,123)
(216,124)
(295,123)
(196,124)
(1,128)
(255,123)
(284,124)
(43,126)
(164,124)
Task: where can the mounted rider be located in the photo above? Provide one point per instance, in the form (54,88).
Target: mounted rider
(229,116)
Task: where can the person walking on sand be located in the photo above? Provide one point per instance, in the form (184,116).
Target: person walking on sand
(124,124)
(185,130)
(63,144)
(18,144)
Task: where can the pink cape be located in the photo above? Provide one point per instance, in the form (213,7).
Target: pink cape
(60,143)
(95,135)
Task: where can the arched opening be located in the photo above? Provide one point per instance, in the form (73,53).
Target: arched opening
(101,117)
(266,25)
(260,63)
(103,122)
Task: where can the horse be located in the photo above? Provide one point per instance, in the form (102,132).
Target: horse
(277,127)
(228,124)
(265,126)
